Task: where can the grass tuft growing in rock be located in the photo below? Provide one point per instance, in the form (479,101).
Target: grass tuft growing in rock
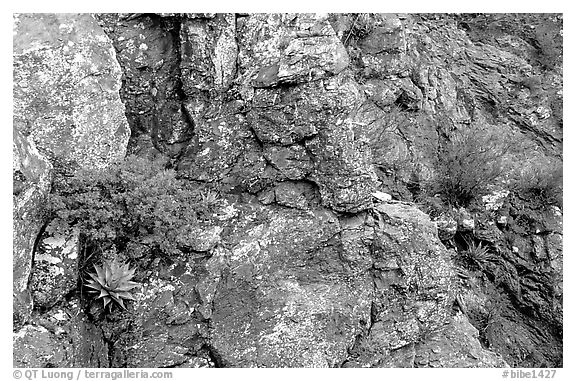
(477,256)
(468,164)
(541,183)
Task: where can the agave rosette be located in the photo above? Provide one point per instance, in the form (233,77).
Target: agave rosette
(113,281)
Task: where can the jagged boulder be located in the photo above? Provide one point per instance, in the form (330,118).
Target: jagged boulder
(290,49)
(319,115)
(148,51)
(456,346)
(208,53)
(32,175)
(165,326)
(281,295)
(271,133)
(299,288)
(413,284)
(55,269)
(61,338)
(66,84)
(223,150)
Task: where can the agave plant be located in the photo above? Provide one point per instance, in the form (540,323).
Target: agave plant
(113,281)
(478,254)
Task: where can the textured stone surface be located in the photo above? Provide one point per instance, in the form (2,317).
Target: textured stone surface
(447,227)
(320,115)
(60,338)
(522,340)
(285,297)
(32,176)
(296,194)
(424,76)
(289,48)
(55,271)
(455,346)
(147,49)
(165,327)
(412,283)
(208,53)
(36,347)
(528,275)
(293,162)
(66,83)
(270,133)
(223,146)
(298,288)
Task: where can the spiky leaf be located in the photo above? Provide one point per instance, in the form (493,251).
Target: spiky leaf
(113,280)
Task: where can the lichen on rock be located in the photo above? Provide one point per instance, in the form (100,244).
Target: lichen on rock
(66,94)
(28,216)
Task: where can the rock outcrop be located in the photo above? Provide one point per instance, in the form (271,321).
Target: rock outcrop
(524,276)
(290,288)
(66,83)
(320,134)
(31,184)
(147,48)
(55,266)
(295,302)
(61,338)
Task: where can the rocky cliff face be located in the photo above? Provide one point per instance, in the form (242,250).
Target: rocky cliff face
(320,134)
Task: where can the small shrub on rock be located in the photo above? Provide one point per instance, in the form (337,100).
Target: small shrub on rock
(135,207)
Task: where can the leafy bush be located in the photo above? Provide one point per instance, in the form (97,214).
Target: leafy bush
(468,163)
(135,207)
